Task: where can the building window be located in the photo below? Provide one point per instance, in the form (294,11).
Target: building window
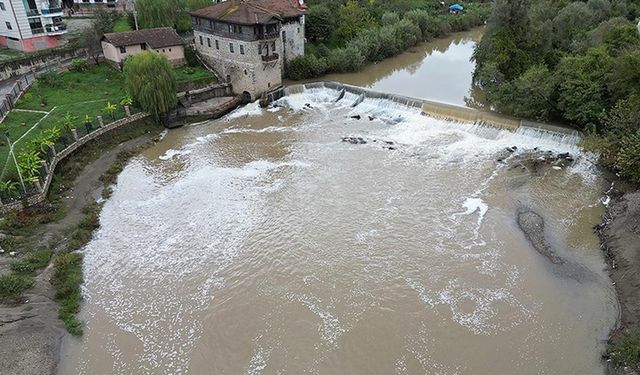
(231,47)
(259,49)
(298,30)
(273,46)
(245,72)
(169,49)
(208,42)
(201,43)
(163,50)
(241,49)
(2,6)
(217,44)
(143,47)
(9,26)
(123,49)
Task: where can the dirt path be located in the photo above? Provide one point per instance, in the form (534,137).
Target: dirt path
(30,333)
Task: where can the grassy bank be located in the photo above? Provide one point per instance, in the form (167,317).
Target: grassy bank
(25,229)
(384,33)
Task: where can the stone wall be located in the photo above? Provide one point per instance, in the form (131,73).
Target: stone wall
(244,68)
(293,37)
(29,65)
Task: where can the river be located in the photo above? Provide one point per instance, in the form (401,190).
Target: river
(261,243)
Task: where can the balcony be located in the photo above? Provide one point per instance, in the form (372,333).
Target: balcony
(269,35)
(32,12)
(269,58)
(51,11)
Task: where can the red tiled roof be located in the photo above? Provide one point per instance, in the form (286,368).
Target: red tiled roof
(250,12)
(155,38)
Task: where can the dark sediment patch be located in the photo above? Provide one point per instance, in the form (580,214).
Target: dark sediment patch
(533,226)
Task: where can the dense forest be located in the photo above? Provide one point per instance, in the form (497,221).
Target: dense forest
(577,62)
(344,35)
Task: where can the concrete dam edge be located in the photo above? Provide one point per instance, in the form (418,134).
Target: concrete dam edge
(428,107)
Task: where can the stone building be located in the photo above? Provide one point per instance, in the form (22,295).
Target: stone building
(248,42)
(116,47)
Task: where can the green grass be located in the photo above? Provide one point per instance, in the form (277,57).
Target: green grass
(66,280)
(122,25)
(77,93)
(626,352)
(197,75)
(13,285)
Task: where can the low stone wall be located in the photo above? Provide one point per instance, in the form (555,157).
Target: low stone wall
(429,108)
(58,157)
(41,62)
(209,92)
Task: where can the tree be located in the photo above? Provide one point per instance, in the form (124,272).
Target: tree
(168,13)
(151,82)
(29,163)
(628,159)
(319,23)
(352,19)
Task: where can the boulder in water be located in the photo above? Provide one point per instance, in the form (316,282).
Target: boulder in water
(356,117)
(354,140)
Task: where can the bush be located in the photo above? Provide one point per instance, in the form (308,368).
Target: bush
(628,159)
(51,79)
(306,67)
(12,286)
(343,60)
(79,65)
(390,18)
(66,280)
(191,57)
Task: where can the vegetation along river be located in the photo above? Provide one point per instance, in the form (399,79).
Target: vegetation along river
(263,243)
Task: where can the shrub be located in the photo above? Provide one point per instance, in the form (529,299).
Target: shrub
(306,67)
(390,18)
(343,60)
(79,65)
(66,280)
(12,286)
(628,159)
(190,56)
(420,18)
(51,79)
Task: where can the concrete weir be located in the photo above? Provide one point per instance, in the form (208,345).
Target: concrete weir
(429,108)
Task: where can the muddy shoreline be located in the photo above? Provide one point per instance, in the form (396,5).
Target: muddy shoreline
(619,233)
(31,333)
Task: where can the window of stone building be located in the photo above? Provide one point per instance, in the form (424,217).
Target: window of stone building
(9,26)
(241,49)
(2,6)
(298,30)
(201,43)
(273,46)
(123,49)
(217,45)
(208,42)
(259,49)
(231,47)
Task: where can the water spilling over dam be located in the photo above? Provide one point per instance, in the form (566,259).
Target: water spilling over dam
(342,236)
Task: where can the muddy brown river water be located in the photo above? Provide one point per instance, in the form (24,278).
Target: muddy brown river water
(261,243)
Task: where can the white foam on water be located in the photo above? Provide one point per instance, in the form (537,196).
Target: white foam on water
(170,154)
(249,110)
(258,362)
(269,129)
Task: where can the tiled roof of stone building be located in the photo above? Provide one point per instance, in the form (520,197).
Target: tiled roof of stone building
(250,12)
(155,38)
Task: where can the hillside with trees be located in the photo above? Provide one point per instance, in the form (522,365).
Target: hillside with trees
(575,62)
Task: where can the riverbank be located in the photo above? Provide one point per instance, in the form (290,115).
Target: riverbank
(620,236)
(31,328)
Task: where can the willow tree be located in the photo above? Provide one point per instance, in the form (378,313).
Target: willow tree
(168,13)
(151,82)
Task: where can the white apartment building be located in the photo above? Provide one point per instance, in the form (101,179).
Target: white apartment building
(31,25)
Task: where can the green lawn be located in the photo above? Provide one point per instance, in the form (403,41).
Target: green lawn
(193,74)
(77,93)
